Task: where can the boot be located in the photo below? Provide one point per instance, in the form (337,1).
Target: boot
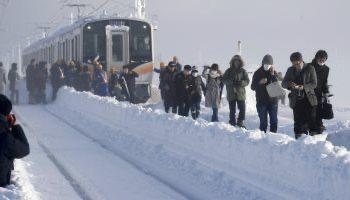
(233,122)
(240,124)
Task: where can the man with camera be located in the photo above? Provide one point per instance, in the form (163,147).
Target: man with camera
(13,142)
(301,80)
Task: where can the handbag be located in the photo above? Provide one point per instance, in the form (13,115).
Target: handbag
(275,89)
(327,111)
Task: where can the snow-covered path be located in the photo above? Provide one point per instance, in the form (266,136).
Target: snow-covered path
(89,147)
(89,170)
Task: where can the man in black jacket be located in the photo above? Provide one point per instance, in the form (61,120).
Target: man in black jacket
(57,77)
(322,89)
(13,142)
(301,80)
(128,80)
(182,86)
(266,105)
(30,80)
(169,87)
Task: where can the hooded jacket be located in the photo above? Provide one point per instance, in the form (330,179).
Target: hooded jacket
(236,79)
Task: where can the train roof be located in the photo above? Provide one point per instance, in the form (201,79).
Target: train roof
(75,25)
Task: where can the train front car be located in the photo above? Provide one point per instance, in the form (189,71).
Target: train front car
(122,42)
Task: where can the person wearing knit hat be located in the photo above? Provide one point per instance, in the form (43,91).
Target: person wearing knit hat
(301,81)
(236,79)
(322,89)
(14,144)
(266,105)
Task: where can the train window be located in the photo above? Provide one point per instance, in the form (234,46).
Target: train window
(117,48)
(72,49)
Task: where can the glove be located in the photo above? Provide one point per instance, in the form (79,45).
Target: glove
(237,83)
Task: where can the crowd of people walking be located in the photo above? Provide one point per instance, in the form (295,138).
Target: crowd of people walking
(182,89)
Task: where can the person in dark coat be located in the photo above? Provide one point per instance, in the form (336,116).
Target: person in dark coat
(128,80)
(301,80)
(13,142)
(57,77)
(236,79)
(41,79)
(169,87)
(213,89)
(2,78)
(100,82)
(13,78)
(71,74)
(265,105)
(85,79)
(30,81)
(113,83)
(196,86)
(322,89)
(182,91)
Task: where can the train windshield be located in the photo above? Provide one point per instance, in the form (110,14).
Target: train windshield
(140,41)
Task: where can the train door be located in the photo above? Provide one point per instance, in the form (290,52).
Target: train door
(117,46)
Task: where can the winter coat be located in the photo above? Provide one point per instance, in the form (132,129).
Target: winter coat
(13,78)
(13,145)
(309,80)
(196,86)
(71,76)
(30,77)
(2,80)
(260,90)
(322,73)
(182,87)
(85,81)
(57,76)
(236,79)
(130,79)
(41,78)
(169,87)
(213,89)
(100,83)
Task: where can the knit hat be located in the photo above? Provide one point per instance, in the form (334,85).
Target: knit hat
(187,67)
(5,105)
(267,60)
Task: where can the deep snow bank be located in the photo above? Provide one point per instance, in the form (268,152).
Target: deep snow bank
(207,160)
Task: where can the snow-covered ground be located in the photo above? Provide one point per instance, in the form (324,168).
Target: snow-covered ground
(88,147)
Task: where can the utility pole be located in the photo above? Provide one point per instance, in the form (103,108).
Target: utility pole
(78,6)
(140,9)
(239,45)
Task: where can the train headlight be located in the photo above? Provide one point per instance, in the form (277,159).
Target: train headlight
(89,27)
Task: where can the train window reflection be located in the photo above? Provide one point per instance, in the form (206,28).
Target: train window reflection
(117,48)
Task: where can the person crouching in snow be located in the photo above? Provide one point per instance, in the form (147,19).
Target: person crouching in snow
(213,89)
(196,86)
(13,142)
(236,79)
(266,105)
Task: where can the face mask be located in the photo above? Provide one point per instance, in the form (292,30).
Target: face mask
(321,63)
(214,72)
(195,74)
(267,67)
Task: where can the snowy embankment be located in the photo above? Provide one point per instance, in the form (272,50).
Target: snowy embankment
(204,160)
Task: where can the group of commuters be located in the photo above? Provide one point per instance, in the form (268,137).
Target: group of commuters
(182,89)
(119,84)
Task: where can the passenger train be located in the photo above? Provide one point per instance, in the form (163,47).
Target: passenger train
(116,41)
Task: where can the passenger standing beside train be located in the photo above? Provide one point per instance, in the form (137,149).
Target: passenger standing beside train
(57,78)
(30,78)
(182,80)
(2,79)
(169,88)
(85,79)
(236,79)
(100,82)
(196,86)
(214,89)
(70,74)
(13,78)
(178,65)
(41,79)
(128,80)
(161,71)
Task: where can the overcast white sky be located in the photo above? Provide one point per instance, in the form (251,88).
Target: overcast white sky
(206,31)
